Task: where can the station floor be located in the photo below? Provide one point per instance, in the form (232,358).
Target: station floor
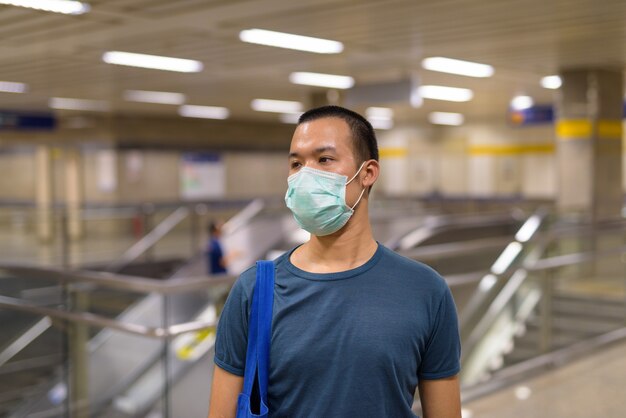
(591,387)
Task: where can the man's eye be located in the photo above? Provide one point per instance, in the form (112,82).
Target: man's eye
(295,164)
(325,159)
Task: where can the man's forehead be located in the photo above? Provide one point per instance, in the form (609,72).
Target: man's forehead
(331,134)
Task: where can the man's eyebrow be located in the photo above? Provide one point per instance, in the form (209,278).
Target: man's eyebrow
(315,151)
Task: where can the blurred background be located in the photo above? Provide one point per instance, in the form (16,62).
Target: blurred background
(137,136)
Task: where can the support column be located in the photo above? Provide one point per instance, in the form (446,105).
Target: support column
(44,193)
(589,143)
(74,193)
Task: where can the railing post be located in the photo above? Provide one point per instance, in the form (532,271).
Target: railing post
(79,361)
(545,327)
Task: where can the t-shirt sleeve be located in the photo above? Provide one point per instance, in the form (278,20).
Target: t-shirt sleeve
(441,358)
(232,332)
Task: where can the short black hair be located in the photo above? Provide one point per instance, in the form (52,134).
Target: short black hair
(363,137)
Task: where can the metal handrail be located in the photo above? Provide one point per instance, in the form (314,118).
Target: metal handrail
(99,321)
(436,224)
(117,281)
(150,240)
(183,285)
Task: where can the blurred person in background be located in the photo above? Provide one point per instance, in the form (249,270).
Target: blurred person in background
(216,258)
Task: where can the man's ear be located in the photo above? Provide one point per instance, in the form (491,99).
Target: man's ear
(372,170)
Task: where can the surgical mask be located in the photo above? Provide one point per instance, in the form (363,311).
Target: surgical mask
(317,200)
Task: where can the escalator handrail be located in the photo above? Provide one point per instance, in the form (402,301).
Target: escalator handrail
(149,240)
(436,224)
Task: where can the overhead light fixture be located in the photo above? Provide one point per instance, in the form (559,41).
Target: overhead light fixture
(278,106)
(451,94)
(154,62)
(381,123)
(290,118)
(322,80)
(159,97)
(453,66)
(203,112)
(446,118)
(78,104)
(12,87)
(54,6)
(551,82)
(522,102)
(379,113)
(290,41)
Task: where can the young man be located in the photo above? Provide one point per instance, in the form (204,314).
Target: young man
(355,326)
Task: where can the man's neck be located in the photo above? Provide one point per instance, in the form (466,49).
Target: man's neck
(349,248)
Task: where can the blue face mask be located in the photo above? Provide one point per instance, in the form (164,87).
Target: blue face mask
(317,200)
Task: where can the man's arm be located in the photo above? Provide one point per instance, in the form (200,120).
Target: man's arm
(441,398)
(225,390)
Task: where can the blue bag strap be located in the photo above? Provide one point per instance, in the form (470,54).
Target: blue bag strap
(260,330)
(266,301)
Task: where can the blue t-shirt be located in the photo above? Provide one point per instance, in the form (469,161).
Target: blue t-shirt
(347,344)
(214,256)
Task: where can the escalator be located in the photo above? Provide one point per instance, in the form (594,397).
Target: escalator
(133,373)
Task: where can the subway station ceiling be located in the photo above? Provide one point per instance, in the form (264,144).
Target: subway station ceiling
(384,41)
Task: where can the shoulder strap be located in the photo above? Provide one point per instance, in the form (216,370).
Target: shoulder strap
(260,330)
(266,302)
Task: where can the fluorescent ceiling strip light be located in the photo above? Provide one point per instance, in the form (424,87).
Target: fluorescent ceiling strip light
(159,97)
(381,123)
(291,118)
(154,62)
(12,87)
(322,80)
(379,113)
(451,94)
(78,104)
(446,118)
(452,66)
(551,82)
(55,6)
(522,102)
(279,106)
(203,112)
(290,41)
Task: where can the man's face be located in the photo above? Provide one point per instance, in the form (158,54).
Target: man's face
(324,144)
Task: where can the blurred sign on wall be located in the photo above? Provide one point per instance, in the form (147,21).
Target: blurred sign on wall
(26,121)
(202,176)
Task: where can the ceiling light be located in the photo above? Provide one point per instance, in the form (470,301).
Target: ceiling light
(291,118)
(446,118)
(379,113)
(290,41)
(551,82)
(204,112)
(160,97)
(381,123)
(55,6)
(322,80)
(279,106)
(154,62)
(12,87)
(78,104)
(522,102)
(452,94)
(452,66)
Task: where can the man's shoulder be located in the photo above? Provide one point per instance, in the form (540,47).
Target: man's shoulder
(407,267)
